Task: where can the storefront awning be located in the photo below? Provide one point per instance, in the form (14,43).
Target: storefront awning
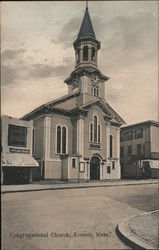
(18,160)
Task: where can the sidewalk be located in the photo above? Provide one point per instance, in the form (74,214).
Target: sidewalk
(141,231)
(48,185)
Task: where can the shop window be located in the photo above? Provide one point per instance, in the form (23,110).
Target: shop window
(113,164)
(111,145)
(129,150)
(73,162)
(108,169)
(85,53)
(17,136)
(61,139)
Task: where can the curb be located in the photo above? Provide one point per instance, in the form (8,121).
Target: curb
(126,235)
(76,187)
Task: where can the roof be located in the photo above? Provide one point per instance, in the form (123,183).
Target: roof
(86,29)
(67,105)
(141,124)
(47,105)
(107,109)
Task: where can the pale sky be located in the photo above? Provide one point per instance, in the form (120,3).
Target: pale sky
(37,53)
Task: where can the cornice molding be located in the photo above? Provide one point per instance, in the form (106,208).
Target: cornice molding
(85,71)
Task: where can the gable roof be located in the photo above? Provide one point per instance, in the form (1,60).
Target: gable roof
(67,105)
(110,114)
(49,105)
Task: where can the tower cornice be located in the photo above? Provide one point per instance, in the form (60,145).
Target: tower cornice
(86,38)
(86,71)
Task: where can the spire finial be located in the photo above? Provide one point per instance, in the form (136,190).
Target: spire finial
(87,5)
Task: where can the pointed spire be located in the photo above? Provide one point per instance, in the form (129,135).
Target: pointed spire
(86,29)
(86,4)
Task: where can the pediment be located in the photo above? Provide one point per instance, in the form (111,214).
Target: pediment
(108,112)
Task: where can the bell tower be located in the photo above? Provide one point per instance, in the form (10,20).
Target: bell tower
(86,77)
(86,45)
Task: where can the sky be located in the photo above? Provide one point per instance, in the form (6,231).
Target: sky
(37,54)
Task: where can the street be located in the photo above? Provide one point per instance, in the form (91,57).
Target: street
(72,219)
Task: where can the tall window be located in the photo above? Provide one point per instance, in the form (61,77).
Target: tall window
(91,132)
(85,53)
(95,128)
(95,131)
(61,140)
(98,133)
(93,54)
(95,91)
(113,164)
(64,140)
(111,145)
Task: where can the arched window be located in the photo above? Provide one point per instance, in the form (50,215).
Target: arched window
(95,91)
(93,54)
(85,53)
(78,55)
(98,133)
(61,134)
(91,131)
(111,145)
(95,131)
(95,128)
(92,90)
(64,140)
(58,139)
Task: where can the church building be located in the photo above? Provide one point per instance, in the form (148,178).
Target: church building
(77,136)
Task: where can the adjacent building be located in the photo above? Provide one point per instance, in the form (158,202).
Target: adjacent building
(77,136)
(139,150)
(16,146)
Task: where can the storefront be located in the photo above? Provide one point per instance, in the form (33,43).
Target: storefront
(17,161)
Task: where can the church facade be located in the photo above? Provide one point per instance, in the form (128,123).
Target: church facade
(77,136)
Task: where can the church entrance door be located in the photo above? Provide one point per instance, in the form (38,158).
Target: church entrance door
(95,168)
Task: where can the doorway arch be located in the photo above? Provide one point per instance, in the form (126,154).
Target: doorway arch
(95,168)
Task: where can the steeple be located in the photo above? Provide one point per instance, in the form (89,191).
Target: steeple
(86,29)
(86,45)
(86,77)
